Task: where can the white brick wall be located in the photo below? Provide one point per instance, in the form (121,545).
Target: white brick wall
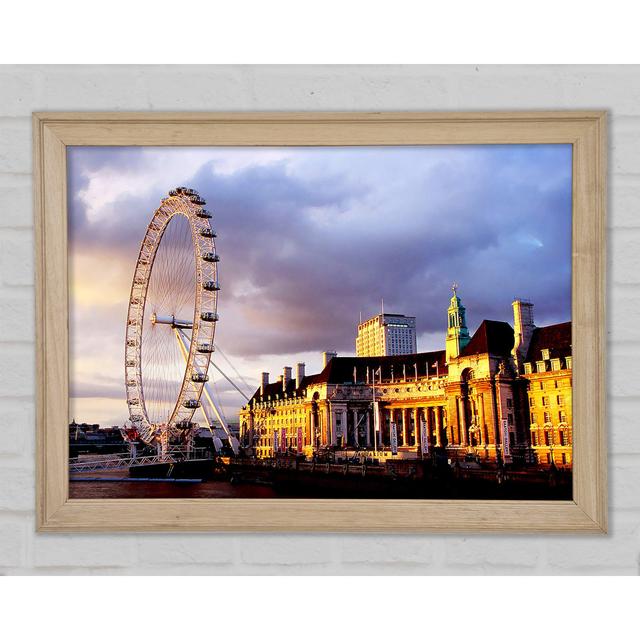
(24,89)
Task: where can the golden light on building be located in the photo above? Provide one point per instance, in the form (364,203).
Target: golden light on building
(503,394)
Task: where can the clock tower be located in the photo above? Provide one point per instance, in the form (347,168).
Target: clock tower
(457,332)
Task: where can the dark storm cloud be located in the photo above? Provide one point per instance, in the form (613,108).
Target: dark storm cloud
(308,242)
(500,230)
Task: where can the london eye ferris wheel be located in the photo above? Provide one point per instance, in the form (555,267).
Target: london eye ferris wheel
(171,319)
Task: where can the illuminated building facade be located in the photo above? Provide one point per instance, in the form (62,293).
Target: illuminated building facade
(503,393)
(548,370)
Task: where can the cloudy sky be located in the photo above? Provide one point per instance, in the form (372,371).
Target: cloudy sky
(311,237)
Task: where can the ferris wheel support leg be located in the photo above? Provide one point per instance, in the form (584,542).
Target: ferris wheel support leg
(211,404)
(214,405)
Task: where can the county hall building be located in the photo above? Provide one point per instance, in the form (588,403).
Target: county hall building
(502,393)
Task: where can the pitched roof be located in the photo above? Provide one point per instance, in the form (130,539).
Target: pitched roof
(555,337)
(493,337)
(340,370)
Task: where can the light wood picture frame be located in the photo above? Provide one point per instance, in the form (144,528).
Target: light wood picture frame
(584,130)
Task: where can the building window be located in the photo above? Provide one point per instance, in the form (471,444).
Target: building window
(555,364)
(560,400)
(534,438)
(545,401)
(547,417)
(563,439)
(545,354)
(562,416)
(541,385)
(564,458)
(541,366)
(532,402)
(533,417)
(568,359)
(527,367)
(546,438)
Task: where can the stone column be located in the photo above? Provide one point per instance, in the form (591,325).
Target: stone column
(463,422)
(367,429)
(355,427)
(416,427)
(405,427)
(481,419)
(345,428)
(438,426)
(326,427)
(313,430)
(427,419)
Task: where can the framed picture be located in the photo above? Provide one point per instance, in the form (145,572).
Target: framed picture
(312,321)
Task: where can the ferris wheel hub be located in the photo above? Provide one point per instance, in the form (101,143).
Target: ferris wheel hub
(176,324)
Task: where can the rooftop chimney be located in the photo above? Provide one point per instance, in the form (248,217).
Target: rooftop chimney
(264,382)
(286,376)
(522,329)
(299,374)
(326,356)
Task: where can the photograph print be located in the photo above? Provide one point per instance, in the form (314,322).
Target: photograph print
(320,322)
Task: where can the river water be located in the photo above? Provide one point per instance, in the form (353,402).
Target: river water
(142,489)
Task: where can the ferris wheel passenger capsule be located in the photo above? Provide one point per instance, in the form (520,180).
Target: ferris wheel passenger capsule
(211,285)
(203,213)
(191,403)
(207,232)
(206,347)
(209,316)
(209,256)
(199,377)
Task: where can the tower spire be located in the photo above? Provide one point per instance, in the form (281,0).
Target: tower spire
(457,332)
